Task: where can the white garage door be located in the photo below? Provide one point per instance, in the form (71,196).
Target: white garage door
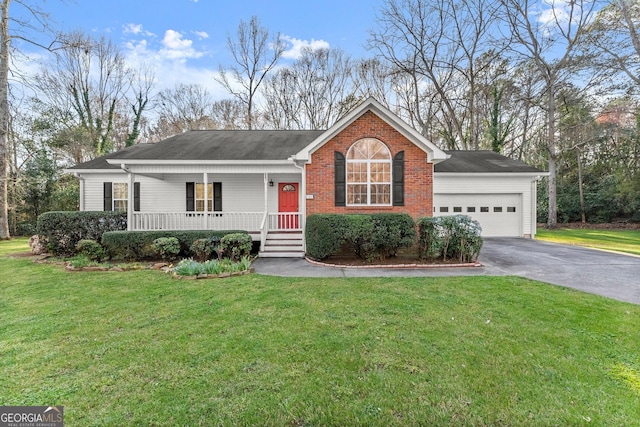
(500,215)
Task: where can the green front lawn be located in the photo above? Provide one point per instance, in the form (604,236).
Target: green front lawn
(140,348)
(627,241)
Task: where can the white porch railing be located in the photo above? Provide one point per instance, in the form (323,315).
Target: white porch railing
(285,221)
(248,221)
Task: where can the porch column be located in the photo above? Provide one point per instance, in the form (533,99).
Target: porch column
(205,217)
(130,200)
(266,190)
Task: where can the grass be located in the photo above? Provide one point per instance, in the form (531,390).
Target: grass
(138,348)
(627,241)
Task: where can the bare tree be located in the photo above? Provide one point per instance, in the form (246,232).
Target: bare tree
(375,78)
(254,55)
(438,43)
(94,91)
(550,47)
(313,92)
(33,19)
(4,117)
(613,43)
(183,108)
(140,92)
(228,113)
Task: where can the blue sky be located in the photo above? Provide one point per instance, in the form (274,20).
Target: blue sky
(185,40)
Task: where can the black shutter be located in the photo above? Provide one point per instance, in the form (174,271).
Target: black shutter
(191,197)
(107,196)
(136,196)
(398,179)
(217,196)
(340,179)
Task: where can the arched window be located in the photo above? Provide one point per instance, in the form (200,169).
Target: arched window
(368,173)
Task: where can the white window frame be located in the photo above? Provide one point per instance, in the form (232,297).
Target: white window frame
(201,200)
(124,202)
(368,162)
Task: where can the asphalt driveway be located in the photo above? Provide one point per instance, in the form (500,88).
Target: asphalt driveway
(603,273)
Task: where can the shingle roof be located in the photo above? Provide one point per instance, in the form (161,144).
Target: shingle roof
(231,145)
(482,162)
(252,145)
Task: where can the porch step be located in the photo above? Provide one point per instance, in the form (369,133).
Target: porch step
(283,245)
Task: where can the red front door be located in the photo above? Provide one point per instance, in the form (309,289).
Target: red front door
(287,202)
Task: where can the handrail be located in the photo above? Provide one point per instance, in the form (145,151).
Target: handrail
(263,230)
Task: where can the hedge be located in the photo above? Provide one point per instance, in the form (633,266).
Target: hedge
(63,230)
(370,237)
(324,235)
(138,244)
(449,237)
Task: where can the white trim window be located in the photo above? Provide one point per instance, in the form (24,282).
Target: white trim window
(120,196)
(369,173)
(200,197)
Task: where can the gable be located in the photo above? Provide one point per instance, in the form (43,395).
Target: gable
(353,123)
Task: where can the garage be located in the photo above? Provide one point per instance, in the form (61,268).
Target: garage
(498,192)
(499,215)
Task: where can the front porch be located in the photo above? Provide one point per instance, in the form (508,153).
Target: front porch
(281,234)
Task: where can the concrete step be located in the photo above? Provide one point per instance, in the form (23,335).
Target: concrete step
(284,236)
(286,242)
(287,254)
(283,248)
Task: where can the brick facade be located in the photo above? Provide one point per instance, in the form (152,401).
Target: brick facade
(418,177)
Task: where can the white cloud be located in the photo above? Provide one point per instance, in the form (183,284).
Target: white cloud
(296,46)
(169,58)
(201,34)
(135,29)
(177,47)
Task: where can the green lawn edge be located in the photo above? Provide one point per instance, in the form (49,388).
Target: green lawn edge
(138,348)
(624,241)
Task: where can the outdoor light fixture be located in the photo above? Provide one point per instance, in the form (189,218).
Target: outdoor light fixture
(270,183)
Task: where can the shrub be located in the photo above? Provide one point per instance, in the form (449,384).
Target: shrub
(236,245)
(91,249)
(63,230)
(393,232)
(324,235)
(167,247)
(137,245)
(360,236)
(370,237)
(203,249)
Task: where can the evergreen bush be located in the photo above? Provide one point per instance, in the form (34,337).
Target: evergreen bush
(63,230)
(167,247)
(136,245)
(236,245)
(91,249)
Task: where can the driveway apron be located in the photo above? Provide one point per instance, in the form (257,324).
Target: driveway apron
(598,272)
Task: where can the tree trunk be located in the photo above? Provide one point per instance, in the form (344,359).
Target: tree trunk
(580,188)
(4,118)
(552,222)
